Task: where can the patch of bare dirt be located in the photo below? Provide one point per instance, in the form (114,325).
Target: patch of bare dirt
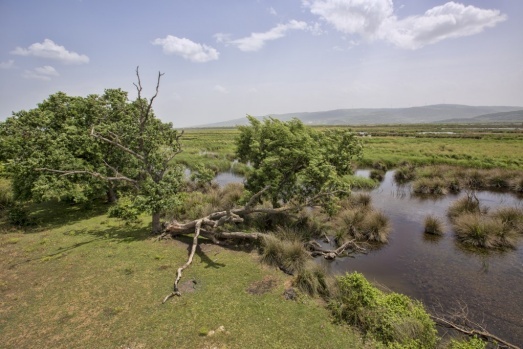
(262,286)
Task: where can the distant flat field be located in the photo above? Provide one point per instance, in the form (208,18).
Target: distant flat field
(478,146)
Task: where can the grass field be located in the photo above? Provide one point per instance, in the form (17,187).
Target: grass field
(83,280)
(475,147)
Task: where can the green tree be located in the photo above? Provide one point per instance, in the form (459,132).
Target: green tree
(296,163)
(78,148)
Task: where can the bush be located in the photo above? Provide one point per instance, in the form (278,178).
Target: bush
(6,194)
(393,319)
(433,225)
(18,215)
(471,343)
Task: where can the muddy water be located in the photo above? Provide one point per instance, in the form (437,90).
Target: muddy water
(439,272)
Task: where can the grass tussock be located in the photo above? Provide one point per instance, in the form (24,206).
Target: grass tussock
(289,255)
(313,280)
(430,186)
(464,205)
(363,225)
(484,231)
(405,173)
(433,225)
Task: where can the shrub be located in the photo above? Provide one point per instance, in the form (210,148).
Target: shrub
(433,225)
(6,194)
(393,319)
(18,215)
(471,343)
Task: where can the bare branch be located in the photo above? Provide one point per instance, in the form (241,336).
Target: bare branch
(472,332)
(91,173)
(176,291)
(117,144)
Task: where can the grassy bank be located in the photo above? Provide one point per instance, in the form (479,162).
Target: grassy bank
(82,280)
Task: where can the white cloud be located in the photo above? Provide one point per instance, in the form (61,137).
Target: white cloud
(47,70)
(41,73)
(375,19)
(451,20)
(187,49)
(48,49)
(256,41)
(221,89)
(272,11)
(7,65)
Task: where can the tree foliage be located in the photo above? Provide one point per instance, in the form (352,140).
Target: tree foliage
(79,148)
(297,162)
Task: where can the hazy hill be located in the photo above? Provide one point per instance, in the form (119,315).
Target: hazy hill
(509,116)
(425,114)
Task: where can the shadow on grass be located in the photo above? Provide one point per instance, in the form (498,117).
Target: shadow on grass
(53,214)
(59,252)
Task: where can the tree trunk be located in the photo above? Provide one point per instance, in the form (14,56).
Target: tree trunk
(111,194)
(157,225)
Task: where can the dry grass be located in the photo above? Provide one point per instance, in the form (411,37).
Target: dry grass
(433,225)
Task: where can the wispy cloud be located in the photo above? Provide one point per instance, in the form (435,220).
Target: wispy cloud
(187,49)
(375,20)
(41,73)
(221,89)
(7,65)
(48,49)
(256,41)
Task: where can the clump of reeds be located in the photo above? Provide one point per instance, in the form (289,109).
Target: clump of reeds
(511,217)
(359,200)
(481,231)
(290,255)
(433,225)
(377,175)
(430,186)
(466,204)
(362,225)
(405,173)
(376,227)
(313,280)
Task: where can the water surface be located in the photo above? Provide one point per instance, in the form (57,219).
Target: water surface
(438,271)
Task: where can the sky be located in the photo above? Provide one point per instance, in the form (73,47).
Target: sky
(225,59)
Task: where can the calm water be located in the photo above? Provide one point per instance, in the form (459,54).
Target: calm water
(439,272)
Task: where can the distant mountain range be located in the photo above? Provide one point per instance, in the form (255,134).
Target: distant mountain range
(439,113)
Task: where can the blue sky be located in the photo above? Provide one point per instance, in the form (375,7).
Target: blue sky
(225,59)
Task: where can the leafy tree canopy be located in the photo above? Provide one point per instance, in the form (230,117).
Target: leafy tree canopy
(297,163)
(79,148)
